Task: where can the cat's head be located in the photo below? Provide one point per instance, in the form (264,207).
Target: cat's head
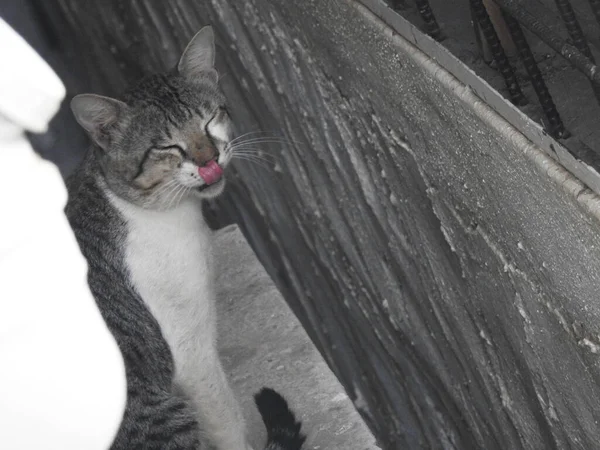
(167,138)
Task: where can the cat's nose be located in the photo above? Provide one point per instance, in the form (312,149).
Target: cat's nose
(204,155)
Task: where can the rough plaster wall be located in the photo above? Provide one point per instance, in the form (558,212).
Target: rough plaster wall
(446,274)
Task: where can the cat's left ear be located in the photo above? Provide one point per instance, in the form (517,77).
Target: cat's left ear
(98,115)
(198,59)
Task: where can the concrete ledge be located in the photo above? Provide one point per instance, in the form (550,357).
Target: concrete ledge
(263,344)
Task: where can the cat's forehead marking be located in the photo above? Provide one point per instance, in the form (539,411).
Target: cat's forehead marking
(189,136)
(194,130)
(187,130)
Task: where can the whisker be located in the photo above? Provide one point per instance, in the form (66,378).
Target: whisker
(255,161)
(172,190)
(248,134)
(167,195)
(168,183)
(168,198)
(243,136)
(263,140)
(255,152)
(248,147)
(253,155)
(256,158)
(182,196)
(271,150)
(174,196)
(164,187)
(177,196)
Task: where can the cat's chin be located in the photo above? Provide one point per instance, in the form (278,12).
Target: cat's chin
(211,191)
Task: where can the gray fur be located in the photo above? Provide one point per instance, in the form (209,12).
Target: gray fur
(139,143)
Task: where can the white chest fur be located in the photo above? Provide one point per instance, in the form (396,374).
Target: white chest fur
(169,257)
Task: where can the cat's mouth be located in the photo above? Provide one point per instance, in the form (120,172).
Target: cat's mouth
(211,173)
(205,187)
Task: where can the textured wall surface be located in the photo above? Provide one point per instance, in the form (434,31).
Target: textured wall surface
(447,269)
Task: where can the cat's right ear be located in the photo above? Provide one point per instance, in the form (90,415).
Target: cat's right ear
(98,115)
(198,58)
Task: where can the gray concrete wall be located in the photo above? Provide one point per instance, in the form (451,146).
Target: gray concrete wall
(444,265)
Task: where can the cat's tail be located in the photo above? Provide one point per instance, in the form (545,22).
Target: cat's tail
(283,431)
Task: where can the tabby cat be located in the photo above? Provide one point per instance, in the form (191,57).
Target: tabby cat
(135,207)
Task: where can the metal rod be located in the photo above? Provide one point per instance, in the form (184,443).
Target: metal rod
(576,34)
(595,5)
(556,127)
(573,28)
(431,26)
(568,51)
(495,13)
(487,28)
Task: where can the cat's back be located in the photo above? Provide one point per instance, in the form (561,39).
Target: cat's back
(88,209)
(101,232)
(98,227)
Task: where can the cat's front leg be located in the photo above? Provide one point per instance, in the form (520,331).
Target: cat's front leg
(220,415)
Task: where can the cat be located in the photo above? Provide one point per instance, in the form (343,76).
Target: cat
(135,208)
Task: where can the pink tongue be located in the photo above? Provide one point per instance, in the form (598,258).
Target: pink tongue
(211,172)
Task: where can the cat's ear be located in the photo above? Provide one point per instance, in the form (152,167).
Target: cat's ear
(198,58)
(98,116)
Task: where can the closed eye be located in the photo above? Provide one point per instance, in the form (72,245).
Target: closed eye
(217,121)
(158,153)
(173,147)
